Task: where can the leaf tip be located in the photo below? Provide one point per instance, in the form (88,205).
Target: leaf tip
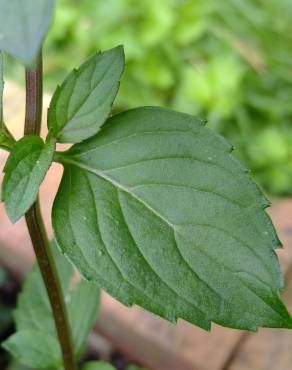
(12,213)
(5,345)
(120,49)
(119,52)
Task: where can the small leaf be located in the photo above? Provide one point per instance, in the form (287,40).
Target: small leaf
(6,139)
(33,310)
(34,313)
(25,170)
(97,365)
(83,102)
(3,276)
(23,25)
(34,349)
(15,365)
(157,212)
(83,306)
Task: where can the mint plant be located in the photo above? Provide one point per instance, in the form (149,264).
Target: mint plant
(152,208)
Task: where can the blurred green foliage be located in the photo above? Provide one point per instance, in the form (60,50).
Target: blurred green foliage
(229,61)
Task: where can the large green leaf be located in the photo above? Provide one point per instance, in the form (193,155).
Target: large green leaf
(34,315)
(156,211)
(23,25)
(83,102)
(25,170)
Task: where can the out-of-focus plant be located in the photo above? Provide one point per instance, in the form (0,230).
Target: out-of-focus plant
(227,60)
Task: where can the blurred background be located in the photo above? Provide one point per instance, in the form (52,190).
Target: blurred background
(228,61)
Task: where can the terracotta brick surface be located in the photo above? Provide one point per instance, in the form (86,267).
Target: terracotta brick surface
(161,345)
(146,338)
(268,349)
(271,349)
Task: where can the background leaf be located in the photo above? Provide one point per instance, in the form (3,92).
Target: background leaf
(17,366)
(1,91)
(97,365)
(25,170)
(151,205)
(82,103)
(135,367)
(33,314)
(23,25)
(35,349)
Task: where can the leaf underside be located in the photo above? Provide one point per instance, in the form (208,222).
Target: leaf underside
(23,25)
(157,212)
(25,170)
(83,102)
(35,324)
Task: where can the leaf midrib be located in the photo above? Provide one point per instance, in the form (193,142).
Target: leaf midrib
(118,185)
(127,190)
(111,257)
(66,160)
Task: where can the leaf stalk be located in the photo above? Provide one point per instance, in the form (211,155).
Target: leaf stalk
(34,221)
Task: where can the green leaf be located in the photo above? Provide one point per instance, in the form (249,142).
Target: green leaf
(34,349)
(34,313)
(25,170)
(157,212)
(6,139)
(135,367)
(23,25)
(14,365)
(1,91)
(97,365)
(3,277)
(83,102)
(83,307)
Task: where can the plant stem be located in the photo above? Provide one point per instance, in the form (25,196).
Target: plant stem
(34,98)
(35,224)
